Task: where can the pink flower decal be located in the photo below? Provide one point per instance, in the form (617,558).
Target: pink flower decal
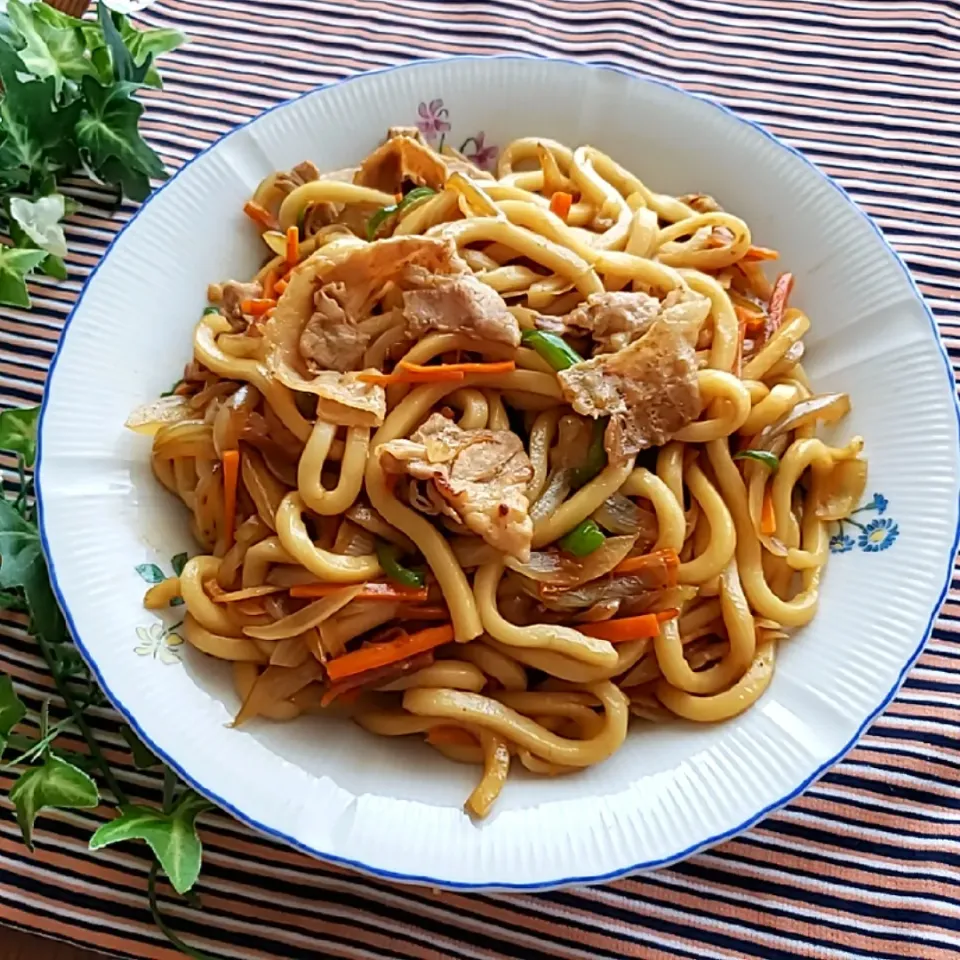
(433,121)
(483,156)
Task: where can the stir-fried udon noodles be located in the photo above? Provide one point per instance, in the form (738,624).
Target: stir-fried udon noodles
(499,462)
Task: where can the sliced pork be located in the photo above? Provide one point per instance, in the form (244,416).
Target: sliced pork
(481,474)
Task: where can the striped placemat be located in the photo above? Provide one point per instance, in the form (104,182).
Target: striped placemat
(867,863)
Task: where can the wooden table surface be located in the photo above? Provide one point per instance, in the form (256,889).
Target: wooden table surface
(22,946)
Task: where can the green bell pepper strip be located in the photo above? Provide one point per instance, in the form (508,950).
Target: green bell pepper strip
(389,556)
(770,460)
(583,539)
(596,458)
(555,350)
(384,213)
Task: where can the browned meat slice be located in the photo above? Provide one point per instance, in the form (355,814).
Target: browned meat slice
(482,474)
(365,271)
(456,304)
(649,389)
(614,320)
(400,160)
(333,339)
(233,294)
(323,319)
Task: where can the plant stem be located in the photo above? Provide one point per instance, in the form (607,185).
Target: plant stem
(82,726)
(29,754)
(161,923)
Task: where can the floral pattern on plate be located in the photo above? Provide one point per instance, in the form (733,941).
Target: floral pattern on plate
(871,536)
(433,121)
(159,641)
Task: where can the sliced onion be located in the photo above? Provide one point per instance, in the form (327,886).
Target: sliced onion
(603,610)
(354,541)
(659,598)
(478,203)
(292,652)
(558,486)
(150,417)
(187,438)
(619,514)
(276,684)
(365,516)
(557,569)
(838,494)
(619,588)
(827,407)
(276,241)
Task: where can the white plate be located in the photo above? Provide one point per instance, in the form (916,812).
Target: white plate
(394,808)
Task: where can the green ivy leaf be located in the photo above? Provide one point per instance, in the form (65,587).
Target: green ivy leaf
(150,572)
(40,221)
(15,264)
(33,128)
(173,838)
(49,50)
(110,142)
(12,710)
(178,562)
(143,759)
(54,267)
(125,68)
(22,565)
(146,44)
(18,432)
(55,784)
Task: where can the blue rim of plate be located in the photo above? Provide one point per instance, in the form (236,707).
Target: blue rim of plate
(391,875)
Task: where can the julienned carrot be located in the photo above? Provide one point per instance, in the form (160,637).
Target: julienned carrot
(280,287)
(260,215)
(293,246)
(405,376)
(760,253)
(371,591)
(500,366)
(668,558)
(628,628)
(451,736)
(560,204)
(257,308)
(434,373)
(382,654)
(753,319)
(768,518)
(779,298)
(231,474)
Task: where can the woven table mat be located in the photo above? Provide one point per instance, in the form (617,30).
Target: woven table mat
(867,862)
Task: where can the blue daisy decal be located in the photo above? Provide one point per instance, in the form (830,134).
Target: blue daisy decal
(878,535)
(841,543)
(879,503)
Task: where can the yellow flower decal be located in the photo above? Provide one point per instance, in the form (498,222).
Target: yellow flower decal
(159,642)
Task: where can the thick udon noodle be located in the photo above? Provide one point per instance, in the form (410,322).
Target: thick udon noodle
(519,682)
